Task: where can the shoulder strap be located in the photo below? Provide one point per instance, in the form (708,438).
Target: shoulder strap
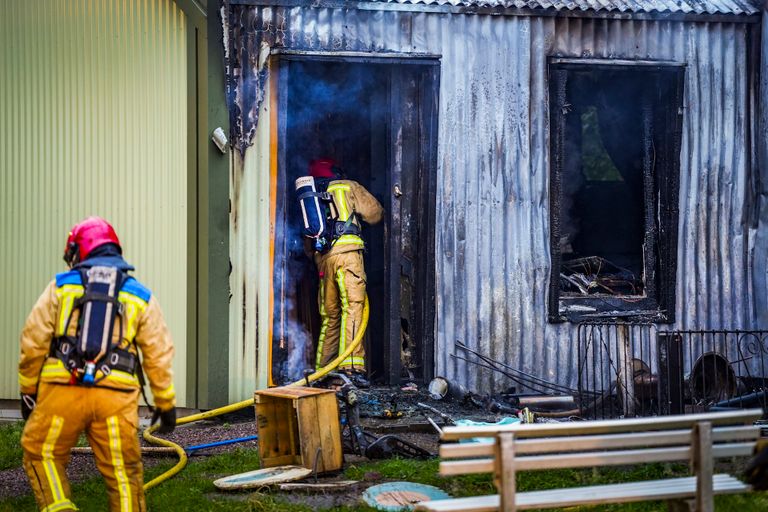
(324,196)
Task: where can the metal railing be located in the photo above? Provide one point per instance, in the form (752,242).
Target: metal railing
(616,370)
(636,369)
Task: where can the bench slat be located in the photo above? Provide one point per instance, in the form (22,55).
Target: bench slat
(461,450)
(745,417)
(675,488)
(572,460)
(598,442)
(472,504)
(622,457)
(466,467)
(589,459)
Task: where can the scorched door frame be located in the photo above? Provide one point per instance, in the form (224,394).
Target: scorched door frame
(425,163)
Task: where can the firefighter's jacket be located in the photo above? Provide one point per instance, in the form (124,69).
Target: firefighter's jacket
(144,327)
(350,197)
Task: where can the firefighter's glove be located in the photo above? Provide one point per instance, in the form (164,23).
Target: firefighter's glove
(28,403)
(167,420)
(756,473)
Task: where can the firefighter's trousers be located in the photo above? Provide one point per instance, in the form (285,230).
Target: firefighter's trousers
(110,420)
(341,297)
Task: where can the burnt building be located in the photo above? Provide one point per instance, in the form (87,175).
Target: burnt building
(543,164)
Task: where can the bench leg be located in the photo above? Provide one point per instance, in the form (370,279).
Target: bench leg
(505,470)
(703,466)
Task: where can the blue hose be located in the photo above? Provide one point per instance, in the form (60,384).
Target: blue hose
(190,449)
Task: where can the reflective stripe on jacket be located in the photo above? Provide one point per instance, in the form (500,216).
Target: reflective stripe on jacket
(350,197)
(143,323)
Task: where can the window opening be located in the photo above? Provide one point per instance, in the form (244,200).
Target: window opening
(615,159)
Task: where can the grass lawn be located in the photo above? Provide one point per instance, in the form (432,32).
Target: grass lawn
(10,445)
(193,490)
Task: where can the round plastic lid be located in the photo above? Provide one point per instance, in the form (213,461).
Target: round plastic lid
(397,496)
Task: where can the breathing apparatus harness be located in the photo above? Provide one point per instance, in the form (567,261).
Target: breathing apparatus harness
(92,348)
(321,215)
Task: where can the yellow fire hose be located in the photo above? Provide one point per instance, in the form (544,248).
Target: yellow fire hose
(147,434)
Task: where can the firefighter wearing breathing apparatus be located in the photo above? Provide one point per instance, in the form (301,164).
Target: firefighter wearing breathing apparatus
(341,293)
(80,371)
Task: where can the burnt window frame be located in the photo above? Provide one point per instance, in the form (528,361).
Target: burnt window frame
(661,191)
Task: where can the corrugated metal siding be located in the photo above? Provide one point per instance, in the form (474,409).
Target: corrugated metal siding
(760,233)
(493,164)
(249,236)
(93,120)
(683,6)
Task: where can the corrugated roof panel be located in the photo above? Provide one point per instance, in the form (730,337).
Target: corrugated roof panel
(660,6)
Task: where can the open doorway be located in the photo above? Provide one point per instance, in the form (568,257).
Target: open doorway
(377,119)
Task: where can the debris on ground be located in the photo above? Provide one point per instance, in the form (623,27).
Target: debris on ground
(446,419)
(411,419)
(440,387)
(469,423)
(358,441)
(262,478)
(329,486)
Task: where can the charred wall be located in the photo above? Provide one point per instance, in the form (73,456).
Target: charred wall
(492,229)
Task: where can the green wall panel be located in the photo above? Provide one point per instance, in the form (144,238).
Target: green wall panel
(93,121)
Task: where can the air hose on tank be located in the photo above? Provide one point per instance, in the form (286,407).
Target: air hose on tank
(150,438)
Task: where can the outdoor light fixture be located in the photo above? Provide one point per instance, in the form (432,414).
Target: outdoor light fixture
(220,139)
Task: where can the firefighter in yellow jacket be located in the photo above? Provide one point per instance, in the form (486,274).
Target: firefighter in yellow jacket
(342,274)
(79,371)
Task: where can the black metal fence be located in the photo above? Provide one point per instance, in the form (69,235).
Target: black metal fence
(635,369)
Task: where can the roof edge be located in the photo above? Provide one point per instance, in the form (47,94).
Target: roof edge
(542,12)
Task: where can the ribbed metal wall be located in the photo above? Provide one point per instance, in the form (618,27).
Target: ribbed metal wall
(760,279)
(249,234)
(93,121)
(493,163)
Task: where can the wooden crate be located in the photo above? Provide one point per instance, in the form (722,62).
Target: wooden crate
(296,425)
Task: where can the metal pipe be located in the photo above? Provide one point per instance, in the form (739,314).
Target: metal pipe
(442,415)
(543,400)
(434,425)
(756,398)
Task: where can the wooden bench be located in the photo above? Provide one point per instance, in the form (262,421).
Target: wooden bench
(697,439)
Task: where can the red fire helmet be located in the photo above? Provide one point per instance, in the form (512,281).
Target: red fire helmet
(322,168)
(86,236)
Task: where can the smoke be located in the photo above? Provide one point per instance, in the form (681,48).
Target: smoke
(334,110)
(298,342)
(291,319)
